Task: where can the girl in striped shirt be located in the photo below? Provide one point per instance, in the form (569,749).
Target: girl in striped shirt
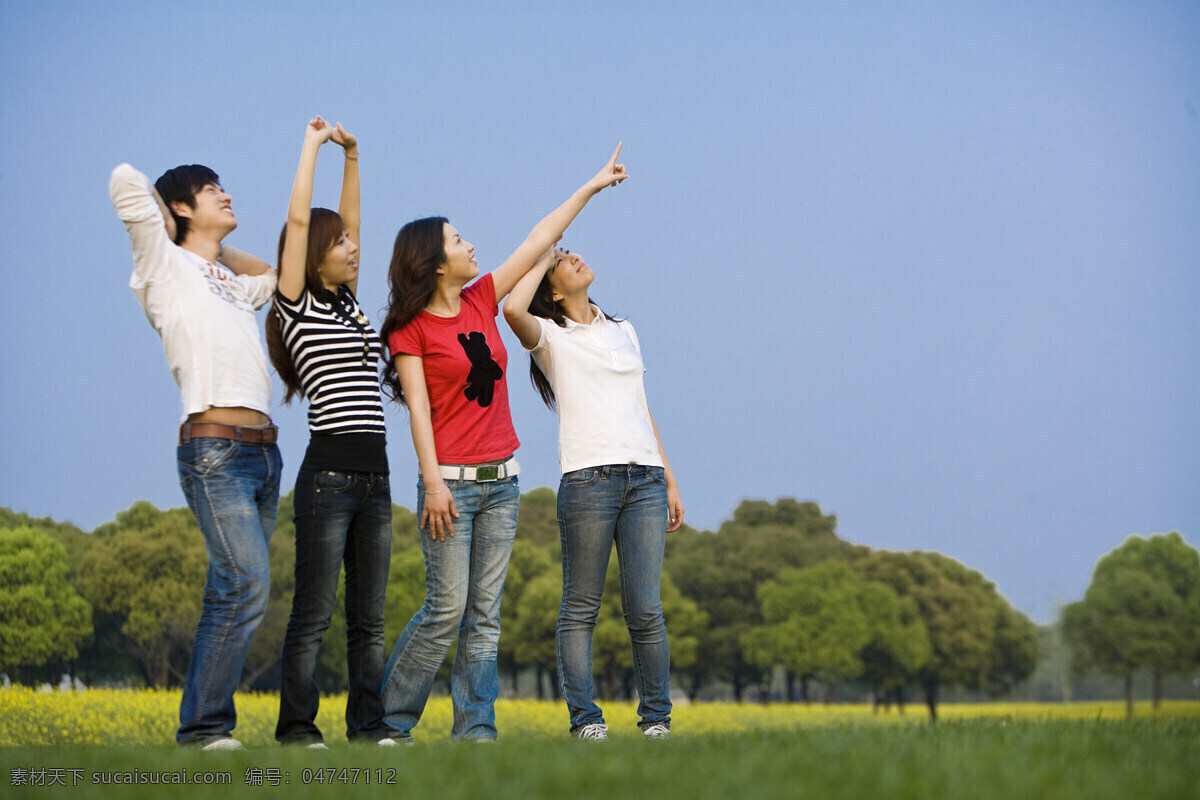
(324,348)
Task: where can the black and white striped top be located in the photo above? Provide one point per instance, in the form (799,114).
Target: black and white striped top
(336,353)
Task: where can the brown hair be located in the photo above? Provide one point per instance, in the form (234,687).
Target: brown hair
(325,227)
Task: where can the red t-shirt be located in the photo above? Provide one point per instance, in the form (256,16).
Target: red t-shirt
(464,362)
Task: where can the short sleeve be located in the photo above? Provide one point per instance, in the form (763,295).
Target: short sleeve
(543,342)
(628,326)
(406,341)
(260,288)
(291,308)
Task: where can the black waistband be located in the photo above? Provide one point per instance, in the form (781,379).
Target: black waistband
(347,452)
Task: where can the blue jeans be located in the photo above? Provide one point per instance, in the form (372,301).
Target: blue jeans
(233,489)
(625,504)
(464,582)
(340,516)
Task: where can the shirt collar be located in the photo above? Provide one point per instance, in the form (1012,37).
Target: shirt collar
(596,318)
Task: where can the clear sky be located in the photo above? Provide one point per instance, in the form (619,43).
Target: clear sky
(932,265)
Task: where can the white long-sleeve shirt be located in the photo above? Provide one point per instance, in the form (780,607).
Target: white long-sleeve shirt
(203,312)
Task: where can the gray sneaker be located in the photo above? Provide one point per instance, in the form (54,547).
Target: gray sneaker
(595,732)
(316,746)
(656,731)
(227,743)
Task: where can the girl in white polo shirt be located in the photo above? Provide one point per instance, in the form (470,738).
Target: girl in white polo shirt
(617,485)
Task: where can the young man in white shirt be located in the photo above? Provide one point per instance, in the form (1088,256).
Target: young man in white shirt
(200,297)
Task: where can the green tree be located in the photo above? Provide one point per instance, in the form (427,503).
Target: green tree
(530,636)
(527,627)
(826,621)
(686,624)
(42,618)
(813,624)
(976,640)
(537,520)
(146,572)
(899,645)
(1140,611)
(92,649)
(1015,650)
(69,536)
(721,573)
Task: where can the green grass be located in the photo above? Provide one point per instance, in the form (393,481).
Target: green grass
(984,758)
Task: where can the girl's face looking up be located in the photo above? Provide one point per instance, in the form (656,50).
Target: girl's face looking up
(570,274)
(460,255)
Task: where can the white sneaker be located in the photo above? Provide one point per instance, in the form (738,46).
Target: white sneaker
(388,741)
(595,732)
(656,731)
(228,743)
(316,746)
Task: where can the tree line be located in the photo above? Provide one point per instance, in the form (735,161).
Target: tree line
(773,597)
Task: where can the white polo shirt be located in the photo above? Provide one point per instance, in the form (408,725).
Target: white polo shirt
(596,373)
(203,312)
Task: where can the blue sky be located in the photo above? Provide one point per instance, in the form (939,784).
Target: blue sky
(932,265)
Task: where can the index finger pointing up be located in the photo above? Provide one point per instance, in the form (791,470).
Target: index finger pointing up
(616,153)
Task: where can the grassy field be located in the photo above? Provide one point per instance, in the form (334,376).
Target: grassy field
(83,743)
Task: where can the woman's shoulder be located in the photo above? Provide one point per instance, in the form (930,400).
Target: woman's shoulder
(482,294)
(627,326)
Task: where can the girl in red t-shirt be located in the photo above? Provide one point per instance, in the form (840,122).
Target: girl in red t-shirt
(447,366)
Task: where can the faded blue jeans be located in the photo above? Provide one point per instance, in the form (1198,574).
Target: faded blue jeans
(340,516)
(625,504)
(233,489)
(464,583)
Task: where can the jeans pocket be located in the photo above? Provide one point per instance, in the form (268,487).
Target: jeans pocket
(201,457)
(656,475)
(327,481)
(581,477)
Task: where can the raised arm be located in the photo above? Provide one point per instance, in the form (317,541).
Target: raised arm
(295,247)
(168,217)
(551,228)
(242,263)
(439,512)
(140,209)
(516,306)
(349,205)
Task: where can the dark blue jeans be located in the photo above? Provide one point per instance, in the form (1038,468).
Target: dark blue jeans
(625,504)
(233,489)
(340,517)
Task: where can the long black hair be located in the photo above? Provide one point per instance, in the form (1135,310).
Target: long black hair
(412,279)
(543,305)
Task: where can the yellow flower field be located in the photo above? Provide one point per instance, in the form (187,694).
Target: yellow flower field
(149,717)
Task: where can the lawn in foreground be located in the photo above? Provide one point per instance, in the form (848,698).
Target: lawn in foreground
(718,751)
